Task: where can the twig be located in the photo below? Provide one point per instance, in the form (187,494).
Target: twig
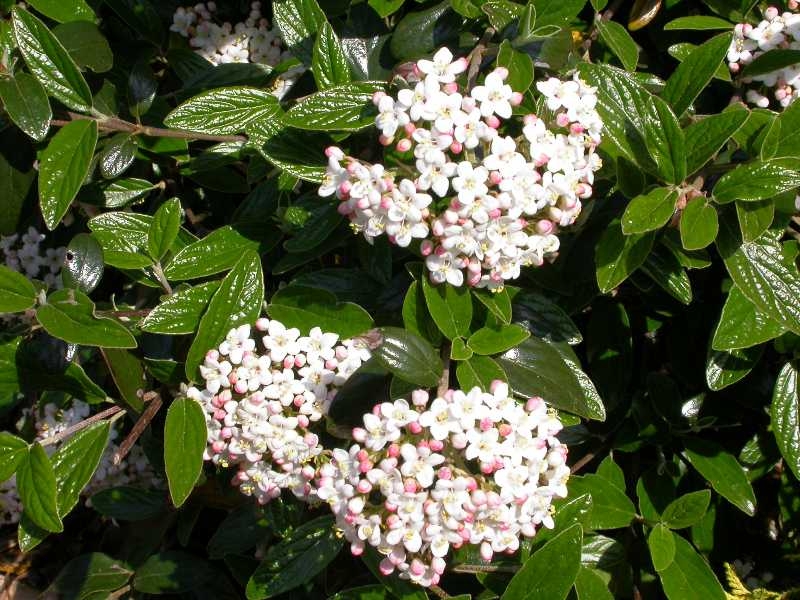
(147,415)
(444,381)
(438,591)
(121,314)
(81,425)
(474,57)
(585,460)
(159,273)
(115,124)
(485,569)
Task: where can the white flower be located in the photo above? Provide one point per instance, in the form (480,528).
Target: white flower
(443,267)
(442,68)
(494,96)
(470,182)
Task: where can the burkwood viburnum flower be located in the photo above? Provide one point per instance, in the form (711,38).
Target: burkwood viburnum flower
(482,203)
(467,468)
(263,395)
(776,30)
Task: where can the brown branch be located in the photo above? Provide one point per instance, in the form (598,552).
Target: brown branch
(474,57)
(467,568)
(437,591)
(444,381)
(61,435)
(585,460)
(125,313)
(115,124)
(153,406)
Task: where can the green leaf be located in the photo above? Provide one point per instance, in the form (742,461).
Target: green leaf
(479,371)
(773,60)
(14,186)
(755,217)
(13,451)
(649,211)
(172,572)
(662,547)
(26,103)
(365,592)
(783,137)
(545,319)
(552,569)
(610,470)
(17,293)
(298,22)
(319,226)
(699,224)
(459,350)
(49,62)
(698,23)
(409,357)
(126,503)
(225,111)
(329,62)
(123,237)
(611,508)
(238,300)
(756,181)
(519,65)
(618,255)
(687,510)
(384,8)
(142,88)
(91,576)
(722,471)
(620,42)
(689,577)
(726,367)
(450,307)
(241,530)
(345,107)
(184,444)
(497,302)
(122,192)
(118,154)
(83,263)
(663,267)
(742,325)
(693,74)
(63,168)
(69,315)
(86,45)
(501,13)
(304,308)
(490,340)
(763,275)
(422,32)
(127,371)
(785,414)
(64,11)
(164,229)
(180,313)
(706,137)
(294,561)
(538,368)
(75,462)
(217,252)
(590,585)
(36,483)
(299,153)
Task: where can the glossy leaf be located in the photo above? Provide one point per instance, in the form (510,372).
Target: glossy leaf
(225,111)
(785,415)
(687,510)
(479,371)
(91,576)
(298,22)
(123,237)
(69,315)
(649,211)
(164,229)
(742,325)
(75,462)
(305,308)
(86,45)
(118,154)
(345,107)
(237,301)
(497,302)
(127,503)
(216,252)
(689,577)
(773,60)
(184,444)
(83,263)
(180,313)
(127,371)
(36,483)
(722,471)
(618,255)
(49,62)
(620,42)
(545,319)
(329,62)
(699,224)
(782,140)
(489,340)
(63,168)
(26,103)
(13,451)
(663,267)
(755,217)
(698,23)
(694,73)
(64,11)
(16,291)
(421,32)
(408,357)
(756,181)
(662,547)
(704,138)
(726,367)
(590,585)
(611,508)
(450,307)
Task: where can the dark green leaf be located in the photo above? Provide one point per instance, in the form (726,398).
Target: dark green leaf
(17,293)
(699,224)
(619,42)
(501,13)
(329,62)
(172,572)
(225,111)
(497,302)
(545,319)
(69,315)
(610,470)
(479,371)
(704,138)
(237,301)
(142,88)
(322,222)
(36,483)
(726,367)
(611,508)
(14,186)
(91,577)
(722,471)
(689,577)
(422,32)
(298,22)
(785,413)
(386,7)
(365,592)
(184,444)
(773,60)
(49,62)
(618,255)
(86,45)
(241,530)
(519,65)
(26,103)
(123,237)
(345,107)
(118,154)
(755,217)
(783,136)
(64,11)
(408,357)
(127,371)
(304,308)
(756,181)
(552,569)
(129,503)
(649,211)
(663,267)
(13,451)
(698,23)
(75,462)
(590,585)
(687,510)
(164,229)
(694,73)
(742,325)
(63,168)
(460,351)
(83,263)
(450,307)
(122,192)
(489,340)
(216,252)
(180,313)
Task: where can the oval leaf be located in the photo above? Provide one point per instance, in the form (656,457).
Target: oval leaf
(184,444)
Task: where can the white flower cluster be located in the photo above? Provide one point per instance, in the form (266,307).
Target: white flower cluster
(469,468)
(776,30)
(260,403)
(250,41)
(484,204)
(23,253)
(52,420)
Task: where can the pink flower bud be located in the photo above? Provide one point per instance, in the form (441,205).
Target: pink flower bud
(385,140)
(410,486)
(377,97)
(486,551)
(562,120)
(436,445)
(516,99)
(456,147)
(409,128)
(403,145)
(261,324)
(495,178)
(359,434)
(393,450)
(501,72)
(364,487)
(445,473)
(386,567)
(493,122)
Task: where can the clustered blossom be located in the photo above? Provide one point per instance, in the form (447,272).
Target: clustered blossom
(262,398)
(250,41)
(51,420)
(24,254)
(482,203)
(776,30)
(473,468)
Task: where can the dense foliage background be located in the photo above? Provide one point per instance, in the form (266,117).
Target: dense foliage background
(185,195)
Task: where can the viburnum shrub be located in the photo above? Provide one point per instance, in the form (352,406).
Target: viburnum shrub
(318,299)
